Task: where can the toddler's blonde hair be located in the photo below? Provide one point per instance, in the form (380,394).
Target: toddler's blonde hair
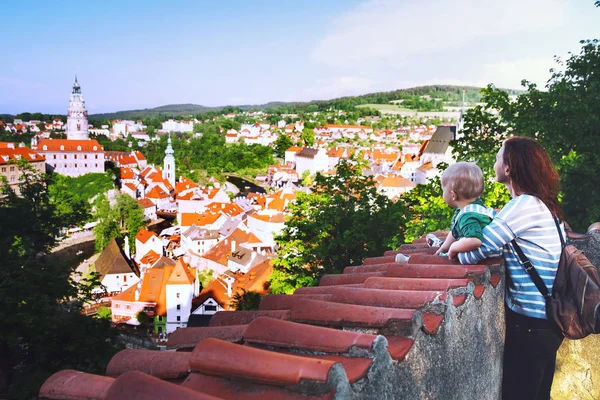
(465,179)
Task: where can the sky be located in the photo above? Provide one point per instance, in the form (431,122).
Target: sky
(132,54)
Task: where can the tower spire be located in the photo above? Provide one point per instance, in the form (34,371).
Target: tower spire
(169,163)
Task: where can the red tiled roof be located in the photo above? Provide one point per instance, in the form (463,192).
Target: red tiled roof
(146,203)
(375,322)
(157,193)
(68,145)
(11,151)
(144,235)
(207,218)
(126,173)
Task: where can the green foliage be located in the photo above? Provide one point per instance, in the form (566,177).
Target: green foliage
(340,223)
(104,313)
(142,318)
(205,277)
(564,118)
(72,196)
(308,136)
(428,210)
(247,300)
(283,143)
(126,216)
(210,153)
(42,330)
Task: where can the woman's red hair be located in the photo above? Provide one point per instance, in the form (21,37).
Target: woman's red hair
(532,172)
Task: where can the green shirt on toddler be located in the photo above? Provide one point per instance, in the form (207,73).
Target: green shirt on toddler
(470,224)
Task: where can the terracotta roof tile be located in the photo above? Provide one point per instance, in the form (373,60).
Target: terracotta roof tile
(69,145)
(321,342)
(144,235)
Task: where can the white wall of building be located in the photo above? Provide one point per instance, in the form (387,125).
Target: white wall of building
(179,305)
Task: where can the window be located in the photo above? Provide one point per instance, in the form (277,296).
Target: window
(12,169)
(96,156)
(55,156)
(12,178)
(178,295)
(178,319)
(85,156)
(210,308)
(85,165)
(117,306)
(178,306)
(3,169)
(65,156)
(128,307)
(96,165)
(124,278)
(75,156)
(75,165)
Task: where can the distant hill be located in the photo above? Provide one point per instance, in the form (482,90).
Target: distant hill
(449,95)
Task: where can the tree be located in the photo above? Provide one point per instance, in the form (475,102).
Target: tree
(340,223)
(308,136)
(246,300)
(39,302)
(125,216)
(564,118)
(283,143)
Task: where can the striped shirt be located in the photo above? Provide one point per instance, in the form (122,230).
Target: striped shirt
(527,219)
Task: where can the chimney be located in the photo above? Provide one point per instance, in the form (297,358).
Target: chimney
(230,287)
(137,293)
(232,246)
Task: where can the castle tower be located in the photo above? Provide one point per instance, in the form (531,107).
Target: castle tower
(77,123)
(169,164)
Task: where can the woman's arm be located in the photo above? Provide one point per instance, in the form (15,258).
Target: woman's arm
(495,236)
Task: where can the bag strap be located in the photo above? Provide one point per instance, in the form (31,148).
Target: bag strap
(533,274)
(562,240)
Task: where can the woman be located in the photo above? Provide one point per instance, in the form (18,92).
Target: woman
(532,341)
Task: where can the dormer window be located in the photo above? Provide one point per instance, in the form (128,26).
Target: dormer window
(62,147)
(78,148)
(45,147)
(95,148)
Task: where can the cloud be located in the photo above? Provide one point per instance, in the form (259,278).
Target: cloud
(508,74)
(339,87)
(379,31)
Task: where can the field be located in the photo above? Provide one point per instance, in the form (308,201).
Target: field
(385,107)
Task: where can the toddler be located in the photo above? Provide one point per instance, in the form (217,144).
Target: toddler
(462,185)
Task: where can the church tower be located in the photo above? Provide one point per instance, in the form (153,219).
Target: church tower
(77,123)
(169,164)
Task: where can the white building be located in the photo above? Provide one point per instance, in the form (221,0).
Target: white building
(312,160)
(180,292)
(72,157)
(178,126)
(77,155)
(124,128)
(145,241)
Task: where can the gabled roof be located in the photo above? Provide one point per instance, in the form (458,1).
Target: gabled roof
(144,235)
(307,152)
(150,258)
(126,173)
(113,261)
(206,218)
(157,193)
(146,203)
(181,274)
(10,151)
(439,142)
